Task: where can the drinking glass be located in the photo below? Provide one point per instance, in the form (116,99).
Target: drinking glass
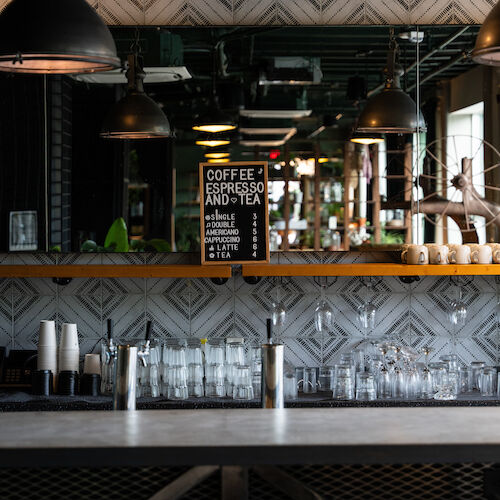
(488,381)
(344,384)
(465,379)
(299,376)
(310,383)
(242,388)
(323,314)
(451,360)
(426,384)
(195,380)
(477,368)
(290,390)
(367,311)
(365,387)
(398,384)
(384,384)
(177,382)
(325,378)
(235,356)
(438,372)
(194,354)
(256,368)
(215,386)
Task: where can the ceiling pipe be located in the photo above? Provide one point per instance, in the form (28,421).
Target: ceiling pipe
(461,57)
(413,65)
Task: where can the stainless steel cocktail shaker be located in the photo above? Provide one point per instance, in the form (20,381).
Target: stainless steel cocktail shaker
(272,372)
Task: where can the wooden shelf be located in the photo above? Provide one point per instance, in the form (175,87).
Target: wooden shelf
(383,269)
(115,271)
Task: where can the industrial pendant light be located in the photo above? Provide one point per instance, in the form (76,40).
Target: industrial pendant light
(214,120)
(487,48)
(136,116)
(366,138)
(392,110)
(217,154)
(54,36)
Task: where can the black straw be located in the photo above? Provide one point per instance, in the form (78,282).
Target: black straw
(148,330)
(269,324)
(110,329)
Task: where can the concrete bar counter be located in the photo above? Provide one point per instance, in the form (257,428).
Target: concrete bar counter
(250,437)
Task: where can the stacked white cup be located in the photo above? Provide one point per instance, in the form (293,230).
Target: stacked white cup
(69,351)
(47,347)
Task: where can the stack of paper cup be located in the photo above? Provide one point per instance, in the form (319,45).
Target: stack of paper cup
(69,351)
(47,347)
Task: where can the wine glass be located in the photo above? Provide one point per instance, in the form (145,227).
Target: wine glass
(323,314)
(458,310)
(367,312)
(278,311)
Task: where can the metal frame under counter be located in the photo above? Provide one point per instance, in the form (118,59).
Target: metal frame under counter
(250,437)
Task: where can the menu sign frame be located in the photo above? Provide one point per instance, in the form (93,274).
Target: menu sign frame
(251,228)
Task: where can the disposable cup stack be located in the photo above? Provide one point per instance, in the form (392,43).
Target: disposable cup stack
(47,347)
(92,364)
(69,350)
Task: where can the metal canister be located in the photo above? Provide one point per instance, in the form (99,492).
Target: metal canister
(125,378)
(272,376)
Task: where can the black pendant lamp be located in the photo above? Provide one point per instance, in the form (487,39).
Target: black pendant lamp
(487,48)
(136,116)
(54,36)
(213,120)
(392,110)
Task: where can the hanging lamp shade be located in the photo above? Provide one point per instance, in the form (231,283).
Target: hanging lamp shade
(214,120)
(136,116)
(487,48)
(392,110)
(54,36)
(366,138)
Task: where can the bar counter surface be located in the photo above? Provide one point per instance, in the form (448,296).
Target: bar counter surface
(250,436)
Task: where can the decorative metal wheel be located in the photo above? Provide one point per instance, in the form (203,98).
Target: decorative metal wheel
(456,185)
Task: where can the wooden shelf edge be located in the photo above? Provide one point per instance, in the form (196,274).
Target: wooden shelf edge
(372,269)
(115,271)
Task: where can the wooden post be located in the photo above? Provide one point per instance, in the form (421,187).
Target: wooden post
(317,199)
(377,233)
(286,208)
(441,172)
(408,183)
(348,159)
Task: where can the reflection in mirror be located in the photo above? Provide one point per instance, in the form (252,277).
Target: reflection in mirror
(296,94)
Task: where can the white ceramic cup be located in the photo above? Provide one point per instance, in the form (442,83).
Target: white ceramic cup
(438,254)
(459,254)
(69,336)
(69,359)
(92,364)
(480,254)
(495,252)
(415,254)
(47,334)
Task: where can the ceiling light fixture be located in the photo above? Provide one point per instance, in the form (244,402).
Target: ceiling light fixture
(136,116)
(487,48)
(219,160)
(212,140)
(56,36)
(366,138)
(214,120)
(216,156)
(392,110)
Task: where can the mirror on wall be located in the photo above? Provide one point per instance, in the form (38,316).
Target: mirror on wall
(289,95)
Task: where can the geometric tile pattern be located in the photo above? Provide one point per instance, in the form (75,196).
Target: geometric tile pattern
(289,12)
(417,314)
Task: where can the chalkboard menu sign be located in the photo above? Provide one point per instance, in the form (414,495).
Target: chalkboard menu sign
(234,219)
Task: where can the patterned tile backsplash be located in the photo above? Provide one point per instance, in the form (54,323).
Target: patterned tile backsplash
(288,12)
(416,313)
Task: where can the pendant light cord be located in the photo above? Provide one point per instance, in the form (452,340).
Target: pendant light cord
(418,135)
